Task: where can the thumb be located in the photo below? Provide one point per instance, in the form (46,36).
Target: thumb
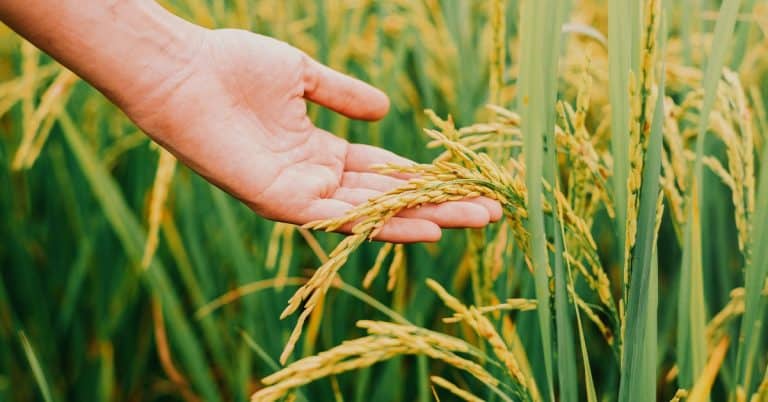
(342,93)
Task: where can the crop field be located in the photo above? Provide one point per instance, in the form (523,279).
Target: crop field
(625,141)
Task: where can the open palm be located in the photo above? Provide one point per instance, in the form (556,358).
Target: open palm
(237,115)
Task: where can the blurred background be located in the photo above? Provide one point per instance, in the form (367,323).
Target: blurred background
(80,316)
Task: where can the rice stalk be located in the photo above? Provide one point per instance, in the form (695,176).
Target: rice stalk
(166,166)
(455,390)
(703,386)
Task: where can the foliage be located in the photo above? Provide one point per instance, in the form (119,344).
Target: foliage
(627,151)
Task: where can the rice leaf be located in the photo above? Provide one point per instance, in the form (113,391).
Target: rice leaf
(638,375)
(37,369)
(540,23)
(618,91)
(743,29)
(589,382)
(565,340)
(691,305)
(752,339)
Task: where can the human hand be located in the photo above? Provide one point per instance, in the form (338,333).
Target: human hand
(237,114)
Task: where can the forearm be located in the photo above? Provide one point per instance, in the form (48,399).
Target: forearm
(127,49)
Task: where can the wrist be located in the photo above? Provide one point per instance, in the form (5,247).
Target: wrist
(153,47)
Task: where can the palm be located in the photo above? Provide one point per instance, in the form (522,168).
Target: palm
(238,117)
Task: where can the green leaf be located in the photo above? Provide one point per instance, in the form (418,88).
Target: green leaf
(540,24)
(618,91)
(742,36)
(691,305)
(37,369)
(756,279)
(638,375)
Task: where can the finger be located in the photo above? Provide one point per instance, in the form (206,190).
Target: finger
(397,230)
(361,157)
(405,230)
(492,206)
(342,93)
(454,214)
(372,181)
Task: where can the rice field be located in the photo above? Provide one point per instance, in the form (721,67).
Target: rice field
(624,140)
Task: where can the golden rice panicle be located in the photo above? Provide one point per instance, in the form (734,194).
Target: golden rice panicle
(350,355)
(434,345)
(478,322)
(642,91)
(498,52)
(740,154)
(372,217)
(604,328)
(313,292)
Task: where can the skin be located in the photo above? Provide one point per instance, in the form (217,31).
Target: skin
(232,105)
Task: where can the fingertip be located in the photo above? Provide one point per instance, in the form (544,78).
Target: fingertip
(379,105)
(495,212)
(431,235)
(434,235)
(478,216)
(342,93)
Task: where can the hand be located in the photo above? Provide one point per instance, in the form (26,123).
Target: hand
(237,115)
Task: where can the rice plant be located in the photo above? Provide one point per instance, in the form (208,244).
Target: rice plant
(624,140)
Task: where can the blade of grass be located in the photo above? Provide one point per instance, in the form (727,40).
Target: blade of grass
(638,374)
(691,306)
(37,369)
(618,91)
(74,283)
(538,79)
(689,11)
(743,29)
(755,277)
(589,382)
(265,357)
(565,340)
